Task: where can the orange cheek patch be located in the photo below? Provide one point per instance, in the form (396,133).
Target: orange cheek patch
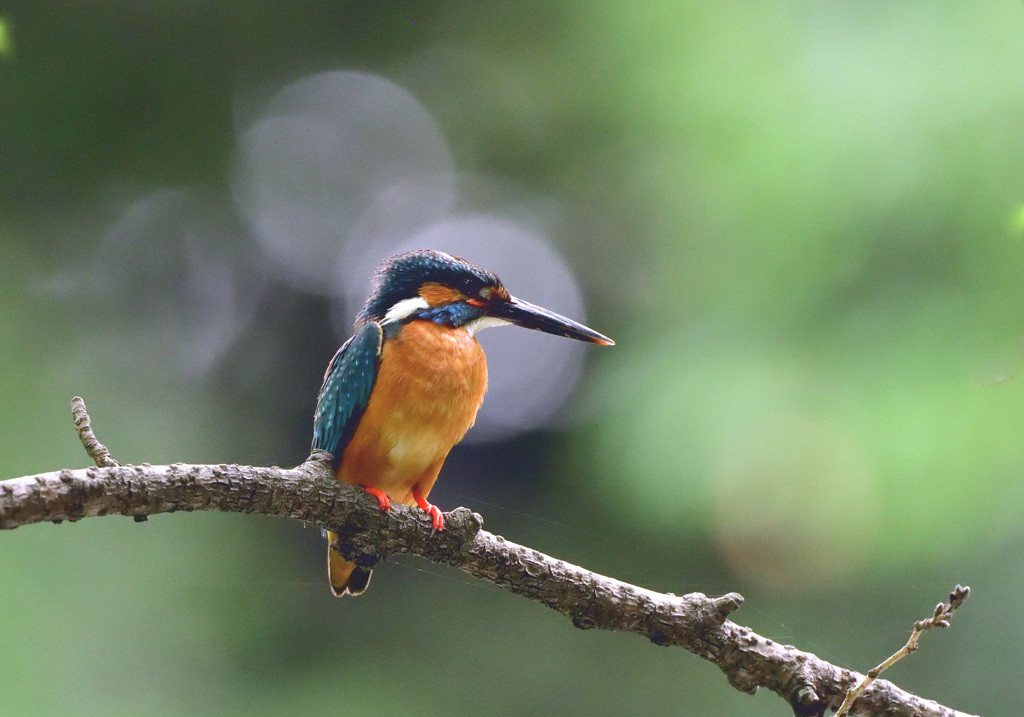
(499,292)
(438,294)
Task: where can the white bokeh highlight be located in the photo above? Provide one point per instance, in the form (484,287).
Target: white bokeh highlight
(171,272)
(324,151)
(339,170)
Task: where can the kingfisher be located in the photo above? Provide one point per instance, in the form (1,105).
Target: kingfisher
(407,385)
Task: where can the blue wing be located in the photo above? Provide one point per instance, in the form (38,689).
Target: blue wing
(346,391)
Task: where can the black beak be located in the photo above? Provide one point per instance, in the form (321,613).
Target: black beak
(530,316)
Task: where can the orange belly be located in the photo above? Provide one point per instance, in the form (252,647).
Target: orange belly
(429,387)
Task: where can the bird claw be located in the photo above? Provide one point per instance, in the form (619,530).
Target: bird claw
(436,516)
(382,498)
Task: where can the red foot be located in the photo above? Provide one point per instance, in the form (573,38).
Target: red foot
(436,516)
(382,498)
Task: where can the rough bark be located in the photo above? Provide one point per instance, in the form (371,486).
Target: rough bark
(309,493)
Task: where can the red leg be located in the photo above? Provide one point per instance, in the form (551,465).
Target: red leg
(436,516)
(382,498)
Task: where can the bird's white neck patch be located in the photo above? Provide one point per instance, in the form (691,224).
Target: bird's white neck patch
(405,308)
(483,322)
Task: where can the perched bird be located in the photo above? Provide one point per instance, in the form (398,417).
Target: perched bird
(407,385)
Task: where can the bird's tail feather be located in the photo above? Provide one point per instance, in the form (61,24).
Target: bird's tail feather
(345,578)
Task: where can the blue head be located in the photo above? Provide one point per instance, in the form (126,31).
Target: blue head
(434,286)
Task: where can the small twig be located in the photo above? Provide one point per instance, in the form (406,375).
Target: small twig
(940,618)
(96,450)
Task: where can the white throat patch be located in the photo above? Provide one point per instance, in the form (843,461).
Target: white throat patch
(484,322)
(405,308)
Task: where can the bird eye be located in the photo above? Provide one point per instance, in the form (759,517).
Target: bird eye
(484,293)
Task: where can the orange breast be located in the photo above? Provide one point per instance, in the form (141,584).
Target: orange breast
(429,387)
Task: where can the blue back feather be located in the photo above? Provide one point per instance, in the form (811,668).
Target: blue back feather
(346,390)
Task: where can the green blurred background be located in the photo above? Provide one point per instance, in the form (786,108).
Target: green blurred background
(801,221)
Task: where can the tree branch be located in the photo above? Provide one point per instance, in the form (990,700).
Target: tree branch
(310,493)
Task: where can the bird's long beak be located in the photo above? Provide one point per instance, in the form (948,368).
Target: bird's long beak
(530,316)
